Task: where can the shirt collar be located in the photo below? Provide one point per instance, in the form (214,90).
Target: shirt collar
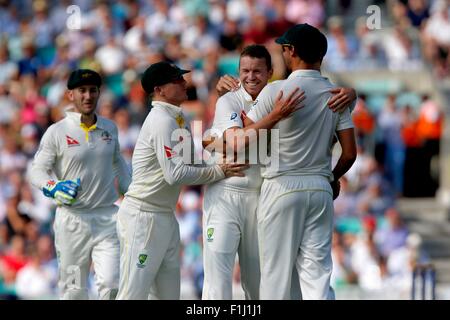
(305,73)
(172,109)
(76,118)
(246,95)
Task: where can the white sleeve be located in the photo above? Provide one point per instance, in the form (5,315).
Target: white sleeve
(344,121)
(263,105)
(120,167)
(44,160)
(353,105)
(227,115)
(174,169)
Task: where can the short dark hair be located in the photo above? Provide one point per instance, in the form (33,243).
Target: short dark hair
(257,51)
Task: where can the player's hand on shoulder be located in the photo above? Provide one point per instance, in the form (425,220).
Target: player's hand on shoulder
(64,191)
(287,104)
(341,99)
(226,84)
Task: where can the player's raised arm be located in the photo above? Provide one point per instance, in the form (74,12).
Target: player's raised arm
(226,84)
(284,107)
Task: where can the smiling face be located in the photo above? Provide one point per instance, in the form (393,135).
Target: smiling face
(254,74)
(85,98)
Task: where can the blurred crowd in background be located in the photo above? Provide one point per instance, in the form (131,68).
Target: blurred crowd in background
(398,133)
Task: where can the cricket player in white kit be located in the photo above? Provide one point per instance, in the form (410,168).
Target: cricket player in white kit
(147,227)
(229,206)
(295,211)
(82,152)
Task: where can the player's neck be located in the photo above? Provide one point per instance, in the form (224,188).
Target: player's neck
(175,102)
(302,65)
(88,119)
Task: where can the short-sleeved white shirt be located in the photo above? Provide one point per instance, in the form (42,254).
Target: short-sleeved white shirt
(305,138)
(228,114)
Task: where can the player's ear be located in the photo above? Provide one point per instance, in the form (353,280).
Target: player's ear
(70,95)
(270,73)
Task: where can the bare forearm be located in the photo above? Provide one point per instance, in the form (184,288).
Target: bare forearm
(348,156)
(342,166)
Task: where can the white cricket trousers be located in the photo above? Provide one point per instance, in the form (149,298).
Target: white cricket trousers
(295,223)
(149,254)
(230,227)
(82,238)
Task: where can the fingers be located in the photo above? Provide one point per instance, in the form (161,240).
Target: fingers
(235,170)
(339,104)
(337,93)
(229,83)
(62,198)
(341,98)
(279,95)
(335,90)
(235,167)
(293,94)
(299,97)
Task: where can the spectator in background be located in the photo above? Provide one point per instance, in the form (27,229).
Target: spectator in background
(127,134)
(33,281)
(341,46)
(390,123)
(401,51)
(393,235)
(436,38)
(342,273)
(429,130)
(369,54)
(418,12)
(366,260)
(401,262)
(8,68)
(13,260)
(413,173)
(305,11)
(365,123)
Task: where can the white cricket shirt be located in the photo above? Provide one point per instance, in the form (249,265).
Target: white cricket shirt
(67,152)
(158,167)
(228,115)
(305,138)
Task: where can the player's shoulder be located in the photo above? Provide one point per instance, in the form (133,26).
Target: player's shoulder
(57,126)
(158,115)
(229,98)
(108,123)
(273,86)
(158,120)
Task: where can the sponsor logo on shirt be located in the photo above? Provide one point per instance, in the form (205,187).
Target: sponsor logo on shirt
(71,142)
(106,136)
(142,258)
(169,152)
(233,116)
(210,234)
